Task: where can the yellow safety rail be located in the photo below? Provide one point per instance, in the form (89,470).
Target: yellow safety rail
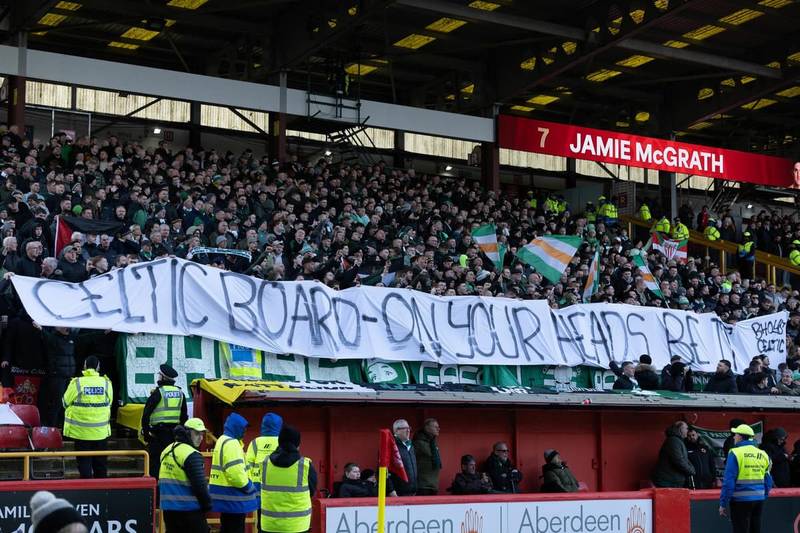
(767,263)
(27,456)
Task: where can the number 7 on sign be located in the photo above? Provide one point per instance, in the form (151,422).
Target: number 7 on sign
(543,138)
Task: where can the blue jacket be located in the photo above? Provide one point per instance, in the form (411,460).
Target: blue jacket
(271,425)
(729,485)
(235,426)
(230,499)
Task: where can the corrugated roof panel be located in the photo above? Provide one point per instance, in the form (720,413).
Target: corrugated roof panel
(791,92)
(542,99)
(68,6)
(127,46)
(704,32)
(741,16)
(602,75)
(775,4)
(700,125)
(186,4)
(357,69)
(759,104)
(483,6)
(635,61)
(445,25)
(675,44)
(139,34)
(414,41)
(523,108)
(528,64)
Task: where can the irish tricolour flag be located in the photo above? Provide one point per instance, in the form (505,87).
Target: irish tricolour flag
(649,279)
(671,249)
(486,238)
(550,255)
(593,280)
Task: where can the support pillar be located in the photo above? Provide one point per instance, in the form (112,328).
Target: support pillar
(16,102)
(669,193)
(278,125)
(490,166)
(194,125)
(572,174)
(399,155)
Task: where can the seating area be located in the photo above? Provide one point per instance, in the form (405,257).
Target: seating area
(21,431)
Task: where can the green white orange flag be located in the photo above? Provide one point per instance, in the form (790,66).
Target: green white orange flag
(593,280)
(486,238)
(550,255)
(649,280)
(670,248)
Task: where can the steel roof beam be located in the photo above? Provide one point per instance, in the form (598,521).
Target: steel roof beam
(577,34)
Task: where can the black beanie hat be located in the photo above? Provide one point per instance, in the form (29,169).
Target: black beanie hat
(289,436)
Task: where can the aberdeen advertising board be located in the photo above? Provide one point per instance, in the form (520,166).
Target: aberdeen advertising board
(578,516)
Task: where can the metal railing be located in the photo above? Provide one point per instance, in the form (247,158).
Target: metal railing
(768,264)
(27,456)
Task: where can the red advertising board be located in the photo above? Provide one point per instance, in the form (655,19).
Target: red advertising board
(528,135)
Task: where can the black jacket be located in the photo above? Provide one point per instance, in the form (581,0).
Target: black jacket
(673,468)
(722,383)
(705,469)
(285,457)
(357,488)
(624,383)
(23,344)
(195,471)
(470,484)
(647,377)
(26,267)
(558,478)
(409,458)
(505,478)
(781,471)
(73,272)
(60,353)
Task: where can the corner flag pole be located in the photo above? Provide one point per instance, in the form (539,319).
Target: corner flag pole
(381,499)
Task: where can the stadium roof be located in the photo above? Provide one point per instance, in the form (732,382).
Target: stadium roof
(723,72)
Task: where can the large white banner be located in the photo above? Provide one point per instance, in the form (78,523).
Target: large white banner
(577,516)
(178,297)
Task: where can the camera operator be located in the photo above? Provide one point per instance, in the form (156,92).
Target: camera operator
(505,477)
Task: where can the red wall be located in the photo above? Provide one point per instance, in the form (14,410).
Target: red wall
(608,449)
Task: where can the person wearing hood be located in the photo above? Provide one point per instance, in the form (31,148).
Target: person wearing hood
(774,443)
(723,381)
(262,446)
(557,475)
(183,491)
(645,374)
(674,469)
(232,493)
(288,481)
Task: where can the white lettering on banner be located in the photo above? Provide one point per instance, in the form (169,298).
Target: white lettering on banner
(643,153)
(178,297)
(606,516)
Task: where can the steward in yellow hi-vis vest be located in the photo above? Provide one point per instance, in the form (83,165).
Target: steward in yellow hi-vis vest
(794,254)
(679,230)
(182,485)
(87,402)
(711,232)
(262,446)
(747,482)
(232,493)
(644,212)
(662,226)
(288,481)
(164,410)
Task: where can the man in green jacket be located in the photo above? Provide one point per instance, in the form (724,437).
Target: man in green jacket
(429,462)
(557,476)
(674,469)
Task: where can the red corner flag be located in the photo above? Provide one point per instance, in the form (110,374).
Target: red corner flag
(390,455)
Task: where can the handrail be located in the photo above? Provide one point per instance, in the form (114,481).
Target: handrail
(27,456)
(771,262)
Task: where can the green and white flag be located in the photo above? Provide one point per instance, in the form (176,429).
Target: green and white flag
(593,280)
(486,238)
(649,280)
(550,255)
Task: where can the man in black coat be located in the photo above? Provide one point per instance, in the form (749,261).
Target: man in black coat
(774,444)
(705,470)
(501,471)
(723,381)
(646,374)
(352,486)
(402,437)
(61,368)
(626,373)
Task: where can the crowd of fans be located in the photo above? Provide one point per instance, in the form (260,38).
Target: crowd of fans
(341,225)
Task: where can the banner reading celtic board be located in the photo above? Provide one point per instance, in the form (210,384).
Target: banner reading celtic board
(178,297)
